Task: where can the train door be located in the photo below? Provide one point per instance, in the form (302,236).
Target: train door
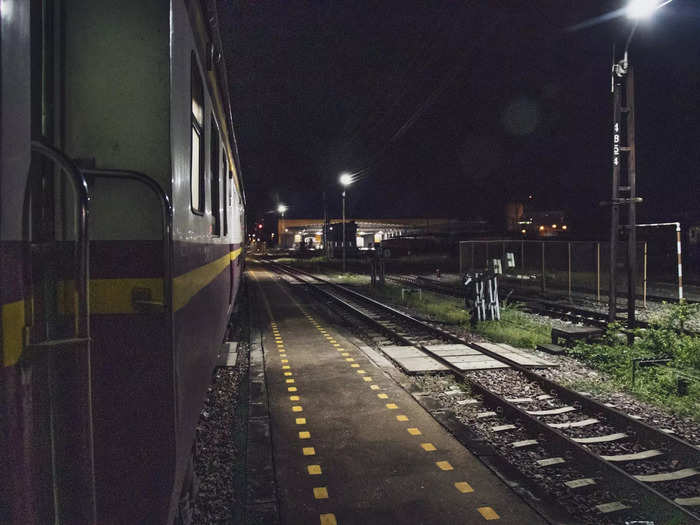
(47,395)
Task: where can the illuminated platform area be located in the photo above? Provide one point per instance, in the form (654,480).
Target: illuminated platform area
(349,444)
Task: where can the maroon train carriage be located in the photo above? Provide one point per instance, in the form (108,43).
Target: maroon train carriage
(121,222)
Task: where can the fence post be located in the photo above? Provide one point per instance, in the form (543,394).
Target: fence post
(569,247)
(645,275)
(522,256)
(472,268)
(597,270)
(460,258)
(544,285)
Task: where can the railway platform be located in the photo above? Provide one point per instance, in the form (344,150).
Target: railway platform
(349,445)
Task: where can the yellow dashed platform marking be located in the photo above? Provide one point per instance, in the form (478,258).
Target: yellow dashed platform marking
(401,417)
(345,354)
(320,493)
(360,372)
(444,465)
(297,408)
(308,451)
(391,406)
(291,389)
(414,432)
(375,387)
(349,359)
(488,513)
(314,470)
(285,360)
(336,344)
(382,396)
(463,487)
(288,373)
(368,379)
(289,381)
(286,367)
(355,365)
(328,519)
(294,398)
(304,434)
(301,421)
(428,447)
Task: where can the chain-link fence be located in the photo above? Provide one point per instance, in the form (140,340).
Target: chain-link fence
(568,267)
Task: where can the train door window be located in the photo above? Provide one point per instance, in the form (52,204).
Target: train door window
(197,156)
(215,182)
(225,190)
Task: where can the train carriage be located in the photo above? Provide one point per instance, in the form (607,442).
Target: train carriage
(121,221)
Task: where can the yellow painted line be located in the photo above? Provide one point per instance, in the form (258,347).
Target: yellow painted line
(297,408)
(286,367)
(463,487)
(289,381)
(308,451)
(320,493)
(374,387)
(444,465)
(328,519)
(294,398)
(391,406)
(314,470)
(368,379)
(349,359)
(360,372)
(301,421)
(336,344)
(401,417)
(284,360)
(186,286)
(291,389)
(345,354)
(12,328)
(382,396)
(414,432)
(288,373)
(488,513)
(355,365)
(428,447)
(304,434)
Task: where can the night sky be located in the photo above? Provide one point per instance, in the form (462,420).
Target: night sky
(451,109)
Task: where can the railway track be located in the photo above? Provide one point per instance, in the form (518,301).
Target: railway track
(614,465)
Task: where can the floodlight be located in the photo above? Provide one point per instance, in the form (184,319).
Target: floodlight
(638,9)
(345,179)
(281,208)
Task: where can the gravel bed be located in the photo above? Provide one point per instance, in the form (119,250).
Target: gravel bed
(216,446)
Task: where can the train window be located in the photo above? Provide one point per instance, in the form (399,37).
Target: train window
(197,164)
(225,190)
(215,161)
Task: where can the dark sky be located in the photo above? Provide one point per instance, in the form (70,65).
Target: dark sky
(453,108)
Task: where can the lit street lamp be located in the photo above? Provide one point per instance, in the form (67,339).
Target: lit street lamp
(281,209)
(624,189)
(345,181)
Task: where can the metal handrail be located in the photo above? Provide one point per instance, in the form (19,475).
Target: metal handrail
(81,190)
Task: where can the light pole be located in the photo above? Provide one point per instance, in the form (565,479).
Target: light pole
(281,209)
(345,181)
(624,183)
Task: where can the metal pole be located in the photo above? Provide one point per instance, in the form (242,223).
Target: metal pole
(645,275)
(597,270)
(569,246)
(680,262)
(544,285)
(522,256)
(632,209)
(614,209)
(343,231)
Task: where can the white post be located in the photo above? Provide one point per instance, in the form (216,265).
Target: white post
(680,262)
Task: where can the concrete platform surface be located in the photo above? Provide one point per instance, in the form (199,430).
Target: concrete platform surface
(349,444)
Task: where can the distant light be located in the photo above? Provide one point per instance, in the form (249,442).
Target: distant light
(541,228)
(563,227)
(554,226)
(345,179)
(281,208)
(286,229)
(531,196)
(523,231)
(638,9)
(259,226)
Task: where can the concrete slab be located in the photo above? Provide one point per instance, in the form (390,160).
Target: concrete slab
(517,355)
(453,350)
(413,360)
(402,352)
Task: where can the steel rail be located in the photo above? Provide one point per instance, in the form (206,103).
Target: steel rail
(656,504)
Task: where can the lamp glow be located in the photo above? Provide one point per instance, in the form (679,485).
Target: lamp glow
(281,208)
(345,179)
(639,9)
